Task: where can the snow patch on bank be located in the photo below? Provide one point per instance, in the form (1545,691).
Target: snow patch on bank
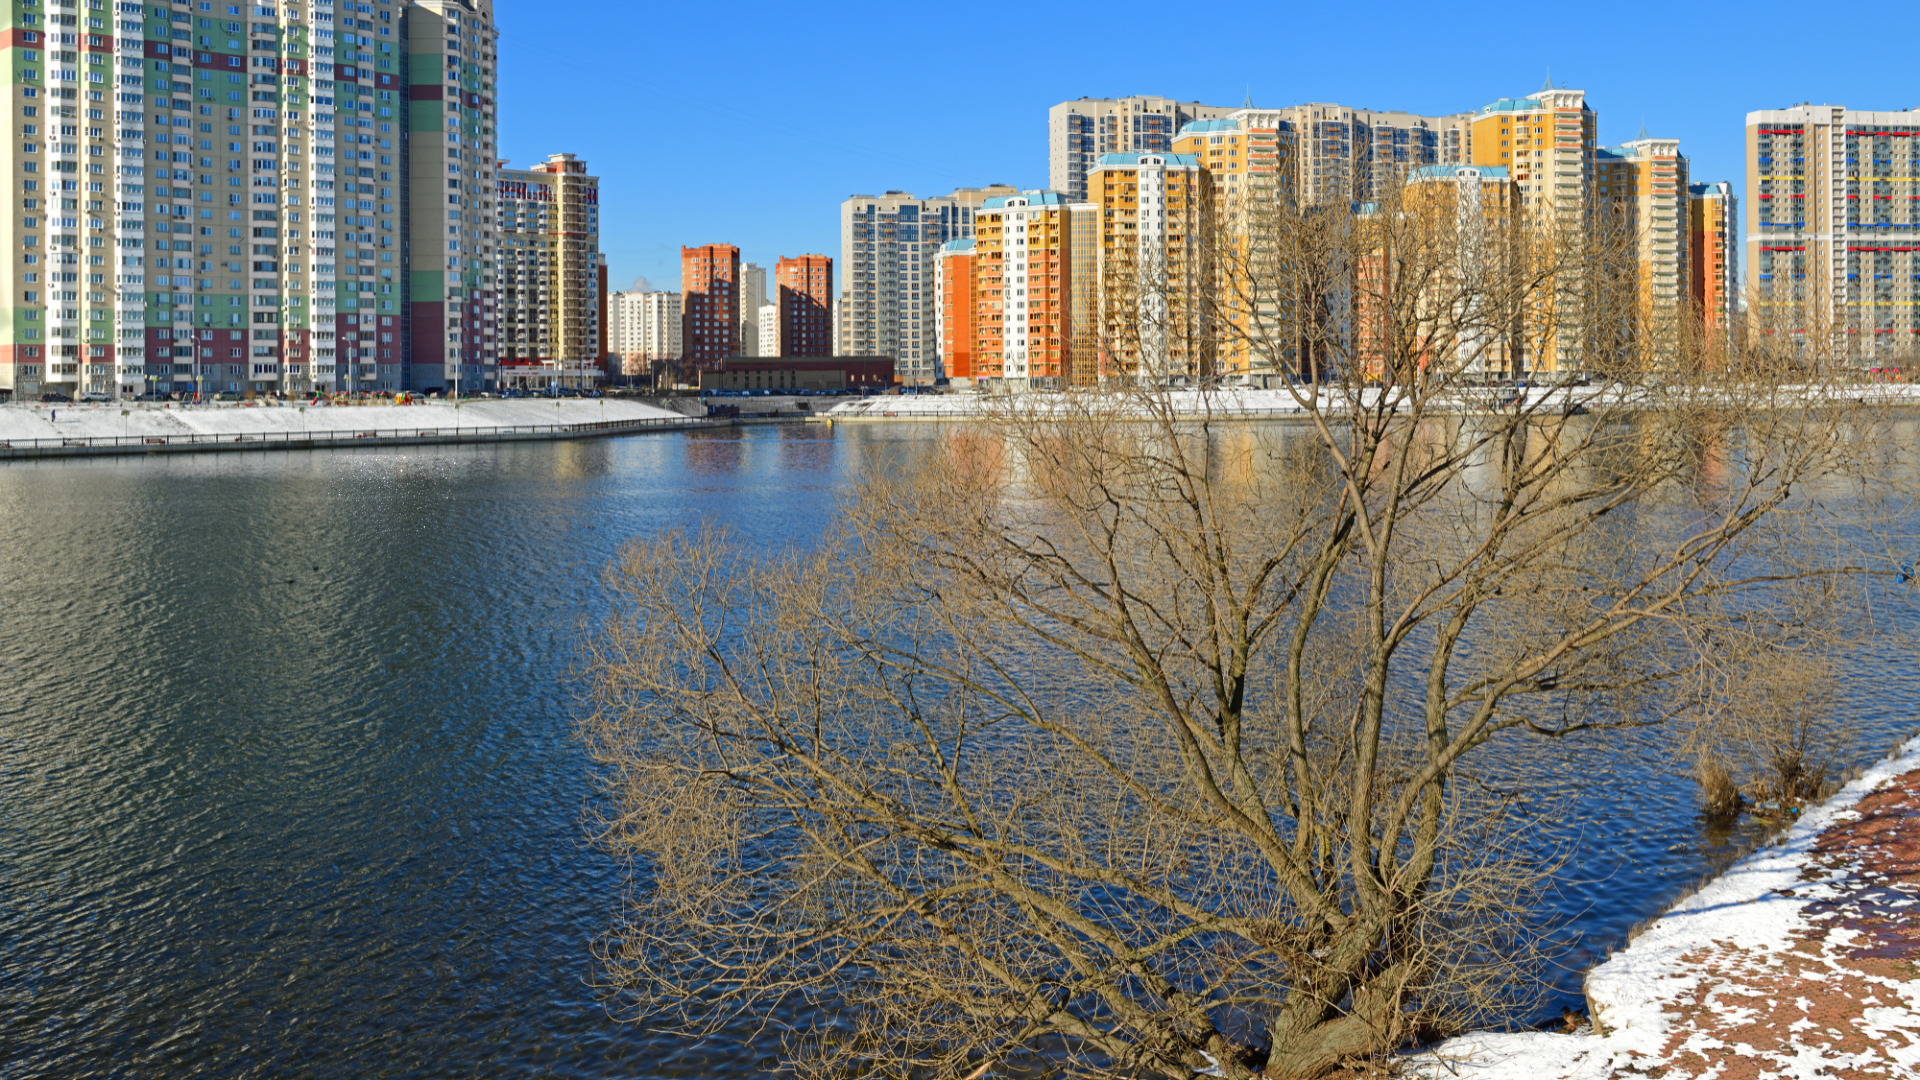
(154,420)
(1638,993)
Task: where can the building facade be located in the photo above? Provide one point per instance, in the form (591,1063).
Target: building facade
(1713,265)
(954,309)
(710,304)
(453,248)
(645,328)
(888,246)
(1643,185)
(1547,143)
(1153,319)
(1023,254)
(1460,323)
(1252,172)
(549,276)
(1833,204)
(1078,132)
(805,303)
(275,150)
(753,296)
(1341,154)
(768,323)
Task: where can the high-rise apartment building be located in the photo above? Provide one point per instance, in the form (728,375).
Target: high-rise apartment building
(1342,154)
(1833,202)
(710,309)
(753,296)
(1458,319)
(887,250)
(805,284)
(1250,161)
(1643,185)
(955,308)
(1547,142)
(1078,132)
(1023,254)
(645,328)
(1153,321)
(1713,258)
(275,152)
(452,247)
(549,276)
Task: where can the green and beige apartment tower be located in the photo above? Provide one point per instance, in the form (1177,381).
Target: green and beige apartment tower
(549,279)
(1833,227)
(453,149)
(214,197)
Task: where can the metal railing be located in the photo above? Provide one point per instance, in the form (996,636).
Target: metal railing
(332,437)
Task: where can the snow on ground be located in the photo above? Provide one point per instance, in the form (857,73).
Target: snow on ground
(1796,963)
(149,419)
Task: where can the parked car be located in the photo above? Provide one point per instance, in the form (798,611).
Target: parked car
(55,398)
(95,396)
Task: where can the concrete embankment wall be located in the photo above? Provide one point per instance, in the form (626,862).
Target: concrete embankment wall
(34,431)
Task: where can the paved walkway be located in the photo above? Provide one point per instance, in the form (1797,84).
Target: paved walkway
(1802,961)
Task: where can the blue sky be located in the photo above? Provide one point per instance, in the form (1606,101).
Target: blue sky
(748,123)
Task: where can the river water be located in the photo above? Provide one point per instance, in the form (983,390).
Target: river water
(287,781)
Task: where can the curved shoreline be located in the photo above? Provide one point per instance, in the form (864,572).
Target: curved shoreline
(1794,961)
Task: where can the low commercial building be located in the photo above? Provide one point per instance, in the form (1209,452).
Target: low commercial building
(793,373)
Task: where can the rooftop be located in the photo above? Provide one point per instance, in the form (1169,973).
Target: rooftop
(1025,198)
(1128,161)
(1202,127)
(1451,172)
(1512,105)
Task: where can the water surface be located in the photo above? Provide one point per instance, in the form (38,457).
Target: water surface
(287,781)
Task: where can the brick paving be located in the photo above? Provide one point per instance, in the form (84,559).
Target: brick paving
(1841,1000)
(1802,962)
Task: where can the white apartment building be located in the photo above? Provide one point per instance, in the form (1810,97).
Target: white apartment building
(887,249)
(1078,132)
(753,297)
(644,327)
(769,330)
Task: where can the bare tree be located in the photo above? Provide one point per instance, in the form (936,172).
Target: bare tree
(1119,735)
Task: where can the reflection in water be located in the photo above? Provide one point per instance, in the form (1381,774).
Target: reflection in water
(287,775)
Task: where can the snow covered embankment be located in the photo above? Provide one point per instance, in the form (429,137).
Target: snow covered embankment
(1798,962)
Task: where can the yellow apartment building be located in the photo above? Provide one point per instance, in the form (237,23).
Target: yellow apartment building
(1248,160)
(1463,324)
(1547,143)
(1153,323)
(1642,187)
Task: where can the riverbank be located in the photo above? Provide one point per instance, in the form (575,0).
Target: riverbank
(1239,403)
(1799,962)
(78,430)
